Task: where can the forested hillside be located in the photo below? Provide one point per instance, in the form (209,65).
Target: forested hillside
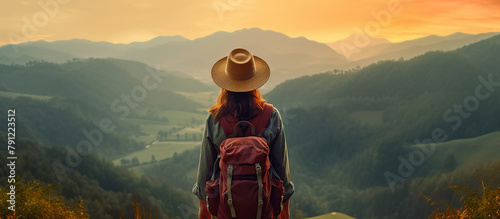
(86,92)
(101,82)
(73,118)
(352,128)
(106,191)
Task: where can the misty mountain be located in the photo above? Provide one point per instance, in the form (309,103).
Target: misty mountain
(287,57)
(411,48)
(22,53)
(356,46)
(82,48)
(160,40)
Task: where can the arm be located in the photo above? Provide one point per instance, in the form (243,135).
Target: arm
(279,154)
(208,155)
(203,211)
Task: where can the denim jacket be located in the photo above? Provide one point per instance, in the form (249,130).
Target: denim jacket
(213,137)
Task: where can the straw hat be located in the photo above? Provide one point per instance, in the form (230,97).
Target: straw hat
(240,71)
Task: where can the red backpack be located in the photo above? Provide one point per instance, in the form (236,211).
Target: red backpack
(244,188)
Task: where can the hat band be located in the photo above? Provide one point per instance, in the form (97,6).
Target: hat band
(241,76)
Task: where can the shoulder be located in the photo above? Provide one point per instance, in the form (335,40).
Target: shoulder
(275,120)
(209,117)
(210,122)
(275,113)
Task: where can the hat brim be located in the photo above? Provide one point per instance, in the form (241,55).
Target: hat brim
(262,73)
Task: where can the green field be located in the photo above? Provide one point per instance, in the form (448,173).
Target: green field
(206,99)
(184,131)
(180,117)
(333,215)
(468,152)
(372,118)
(178,122)
(161,150)
(15,95)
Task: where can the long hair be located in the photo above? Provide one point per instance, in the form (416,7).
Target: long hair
(242,105)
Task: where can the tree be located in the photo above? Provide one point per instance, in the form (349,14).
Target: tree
(125,162)
(140,211)
(478,204)
(135,161)
(37,200)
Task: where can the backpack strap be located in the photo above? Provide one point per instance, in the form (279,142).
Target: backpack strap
(263,119)
(260,121)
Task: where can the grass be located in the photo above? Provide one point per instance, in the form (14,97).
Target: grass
(184,130)
(333,215)
(206,99)
(180,117)
(468,152)
(372,118)
(150,129)
(15,95)
(179,123)
(161,150)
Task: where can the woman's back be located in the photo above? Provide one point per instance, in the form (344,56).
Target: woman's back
(238,103)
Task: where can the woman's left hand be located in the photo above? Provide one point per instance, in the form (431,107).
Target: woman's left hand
(203,211)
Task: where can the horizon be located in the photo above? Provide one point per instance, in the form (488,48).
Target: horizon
(154,37)
(324,21)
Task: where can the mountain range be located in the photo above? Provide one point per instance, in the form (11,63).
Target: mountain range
(363,50)
(288,57)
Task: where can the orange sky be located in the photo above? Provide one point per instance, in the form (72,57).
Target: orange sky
(124,21)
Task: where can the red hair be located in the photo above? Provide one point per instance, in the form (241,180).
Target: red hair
(242,105)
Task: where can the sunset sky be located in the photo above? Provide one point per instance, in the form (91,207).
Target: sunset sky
(124,21)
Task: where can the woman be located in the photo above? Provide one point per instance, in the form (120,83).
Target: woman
(239,75)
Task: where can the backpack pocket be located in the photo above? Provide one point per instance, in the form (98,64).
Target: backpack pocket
(245,199)
(212,190)
(277,192)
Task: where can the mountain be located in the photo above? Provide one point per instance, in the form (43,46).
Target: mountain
(355,46)
(287,57)
(347,131)
(82,48)
(87,91)
(100,81)
(22,53)
(411,48)
(157,41)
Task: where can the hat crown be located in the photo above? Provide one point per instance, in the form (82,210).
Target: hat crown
(240,64)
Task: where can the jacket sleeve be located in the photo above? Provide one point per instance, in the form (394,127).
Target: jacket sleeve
(208,156)
(278,154)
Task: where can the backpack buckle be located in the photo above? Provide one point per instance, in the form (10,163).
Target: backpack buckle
(259,170)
